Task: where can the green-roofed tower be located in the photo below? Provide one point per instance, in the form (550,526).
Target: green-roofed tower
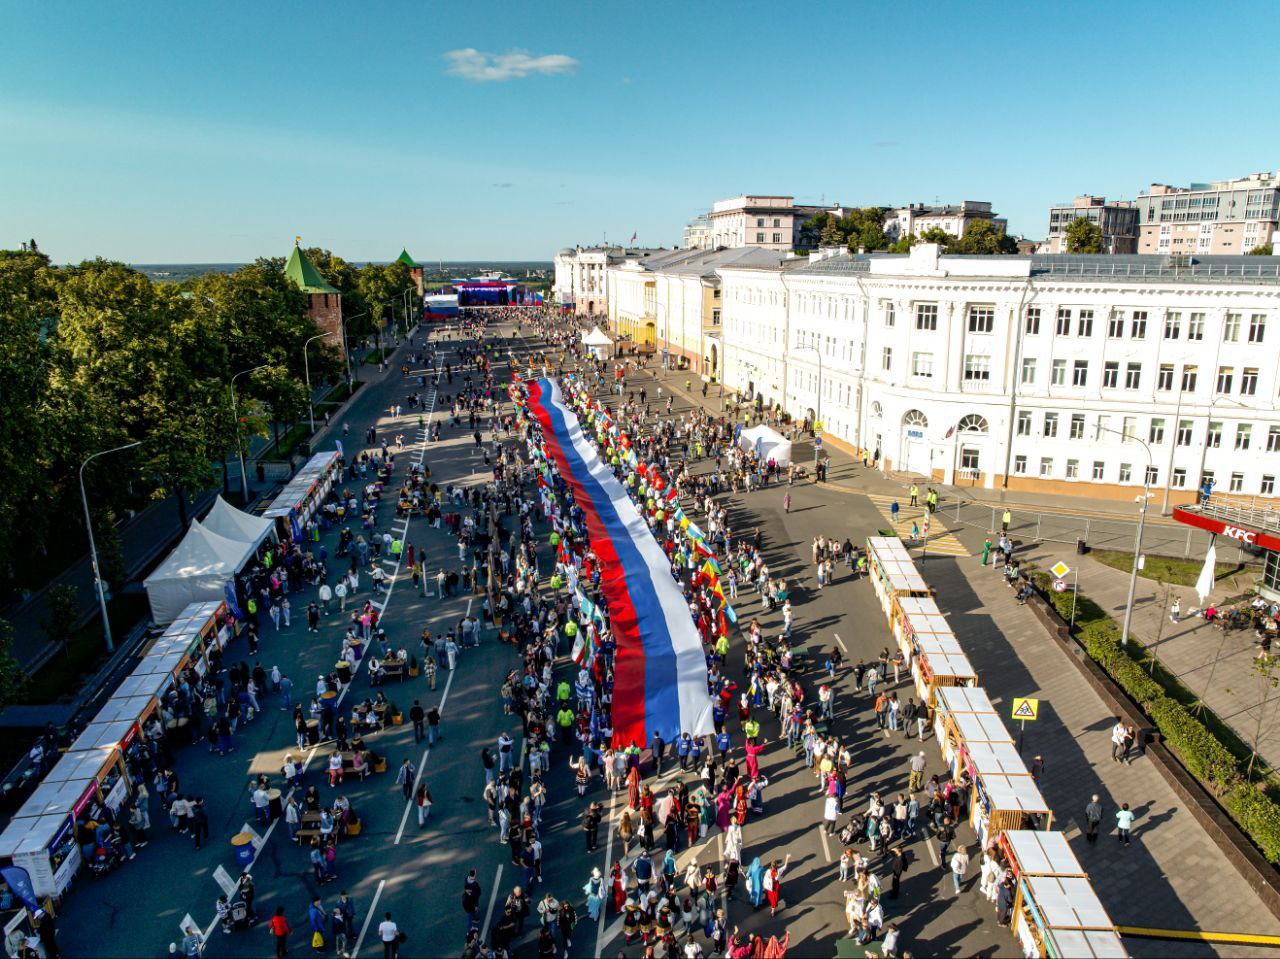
(415,270)
(304,274)
(324,302)
(406,259)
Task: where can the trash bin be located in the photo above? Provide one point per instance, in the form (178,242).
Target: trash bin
(242,843)
(1081,547)
(343,669)
(313,732)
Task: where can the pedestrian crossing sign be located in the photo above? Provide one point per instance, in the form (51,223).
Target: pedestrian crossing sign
(1025,709)
(1060,569)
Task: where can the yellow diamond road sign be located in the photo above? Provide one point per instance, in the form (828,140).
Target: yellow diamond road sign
(1059,569)
(1024,708)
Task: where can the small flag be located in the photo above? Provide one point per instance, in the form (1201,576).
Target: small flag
(633,238)
(950,433)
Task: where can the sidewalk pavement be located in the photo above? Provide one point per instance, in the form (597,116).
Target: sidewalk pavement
(1158,881)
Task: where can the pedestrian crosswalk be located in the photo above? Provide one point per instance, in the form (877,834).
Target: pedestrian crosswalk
(940,539)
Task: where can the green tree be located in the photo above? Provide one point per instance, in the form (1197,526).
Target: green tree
(1084,236)
(13,678)
(284,396)
(983,237)
(832,235)
(1265,249)
(903,244)
(64,615)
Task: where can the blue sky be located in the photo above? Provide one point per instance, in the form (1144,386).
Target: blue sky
(162,132)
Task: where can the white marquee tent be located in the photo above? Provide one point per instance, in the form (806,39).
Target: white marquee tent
(768,443)
(225,520)
(196,571)
(599,343)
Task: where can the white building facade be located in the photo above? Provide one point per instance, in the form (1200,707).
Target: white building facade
(580,281)
(1085,375)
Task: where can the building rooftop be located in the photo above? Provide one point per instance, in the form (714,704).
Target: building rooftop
(406,259)
(705,262)
(304,275)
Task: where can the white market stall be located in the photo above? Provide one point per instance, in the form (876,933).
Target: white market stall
(303,494)
(598,343)
(767,443)
(225,520)
(965,714)
(197,570)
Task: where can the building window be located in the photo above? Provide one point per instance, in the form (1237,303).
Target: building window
(1032,323)
(1077,426)
(1244,435)
(969,458)
(1172,326)
(1063,327)
(1156,433)
(890,316)
(759,237)
(1115,325)
(1126,472)
(1028,370)
(1080,373)
(977,367)
(759,221)
(1225,375)
(1206,477)
(1257,327)
(982,319)
(1073,469)
(1058,373)
(1268,485)
(1237,483)
(777,237)
(972,423)
(922,364)
(1024,423)
(926,316)
(1152,477)
(1179,478)
(1195,326)
(1273,439)
(1164,379)
(1046,466)
(1138,325)
(1110,375)
(1084,326)
(1231,328)
(777,222)
(1020,465)
(1050,424)
(886,358)
(1132,376)
(1189,378)
(1099,469)
(1129,428)
(1249,381)
(1213,438)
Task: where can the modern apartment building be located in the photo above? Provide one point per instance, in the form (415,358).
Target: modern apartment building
(1094,375)
(916,218)
(1117,220)
(1227,217)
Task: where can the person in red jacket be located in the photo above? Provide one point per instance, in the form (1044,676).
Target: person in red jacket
(279,927)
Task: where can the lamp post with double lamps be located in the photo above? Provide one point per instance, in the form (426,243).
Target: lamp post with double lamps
(235,415)
(93,548)
(1142,521)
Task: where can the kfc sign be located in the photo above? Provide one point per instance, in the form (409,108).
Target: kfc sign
(1241,534)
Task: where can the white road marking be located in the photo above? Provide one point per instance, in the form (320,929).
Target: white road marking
(822,833)
(608,889)
(426,753)
(368,917)
(493,898)
(840,641)
(933,852)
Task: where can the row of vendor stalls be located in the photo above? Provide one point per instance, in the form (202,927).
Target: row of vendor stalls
(1057,913)
(51,835)
(304,494)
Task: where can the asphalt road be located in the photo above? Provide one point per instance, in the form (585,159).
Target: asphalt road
(418,874)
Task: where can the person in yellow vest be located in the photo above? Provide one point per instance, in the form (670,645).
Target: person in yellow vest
(751,729)
(1005,520)
(915,495)
(722,646)
(564,719)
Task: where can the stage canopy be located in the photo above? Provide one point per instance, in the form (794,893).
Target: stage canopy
(767,443)
(196,571)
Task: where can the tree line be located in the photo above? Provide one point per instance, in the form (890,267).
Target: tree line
(863,229)
(98,355)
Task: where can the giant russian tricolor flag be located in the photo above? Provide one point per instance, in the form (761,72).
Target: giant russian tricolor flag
(660,672)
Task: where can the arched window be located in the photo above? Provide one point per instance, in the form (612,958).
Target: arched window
(876,411)
(973,423)
(916,419)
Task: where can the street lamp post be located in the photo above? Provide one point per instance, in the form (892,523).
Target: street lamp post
(346,345)
(235,415)
(306,367)
(93,548)
(1142,522)
(817,410)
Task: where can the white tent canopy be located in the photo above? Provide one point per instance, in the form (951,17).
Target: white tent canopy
(768,443)
(196,571)
(597,337)
(225,520)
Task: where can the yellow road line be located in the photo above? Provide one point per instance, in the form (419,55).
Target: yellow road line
(1199,935)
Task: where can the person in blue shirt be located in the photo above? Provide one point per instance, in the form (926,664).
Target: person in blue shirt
(723,742)
(658,747)
(683,745)
(695,752)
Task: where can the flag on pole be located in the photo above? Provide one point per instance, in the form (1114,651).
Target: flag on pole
(633,238)
(1204,585)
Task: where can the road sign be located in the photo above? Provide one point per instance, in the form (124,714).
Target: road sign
(817,441)
(1024,708)
(1059,585)
(817,428)
(1060,569)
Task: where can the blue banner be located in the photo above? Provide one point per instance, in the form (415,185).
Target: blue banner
(19,880)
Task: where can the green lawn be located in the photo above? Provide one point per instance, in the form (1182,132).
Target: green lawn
(1176,572)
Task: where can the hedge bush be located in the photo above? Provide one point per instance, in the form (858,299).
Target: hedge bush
(1258,815)
(1207,759)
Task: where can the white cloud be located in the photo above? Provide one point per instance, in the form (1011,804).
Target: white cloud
(478,67)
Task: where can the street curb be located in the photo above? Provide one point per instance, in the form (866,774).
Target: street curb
(1261,876)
